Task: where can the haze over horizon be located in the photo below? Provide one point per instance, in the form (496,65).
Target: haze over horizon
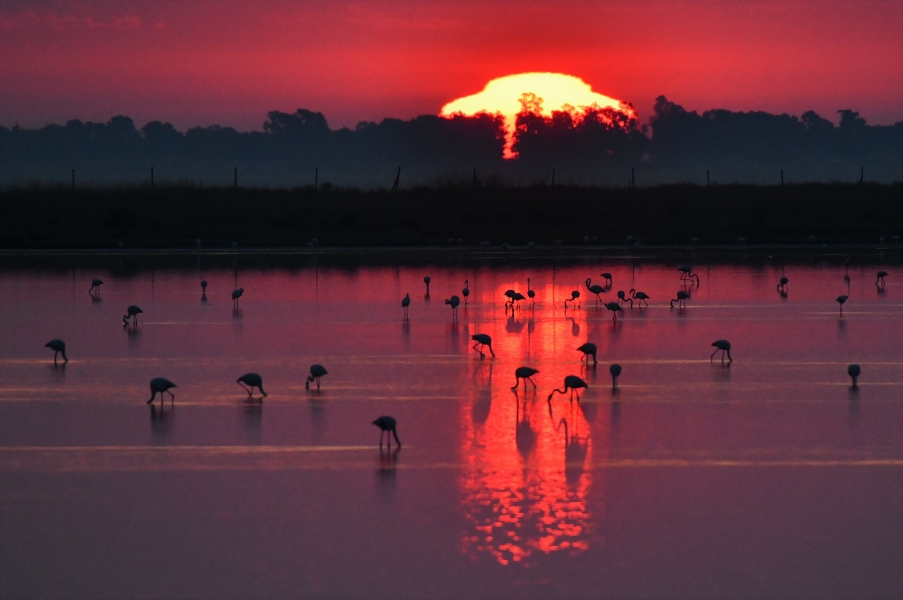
(230,62)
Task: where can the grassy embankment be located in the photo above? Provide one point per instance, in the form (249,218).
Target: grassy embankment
(174,217)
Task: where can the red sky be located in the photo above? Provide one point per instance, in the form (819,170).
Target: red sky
(200,62)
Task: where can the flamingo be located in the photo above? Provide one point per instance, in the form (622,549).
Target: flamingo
(607,277)
(573,383)
(387,424)
(252,380)
(881,276)
(524,373)
(405,303)
(158,385)
(595,289)
(95,286)
(131,311)
(516,297)
(316,371)
(574,295)
(681,299)
(482,340)
(58,346)
(588,349)
(840,300)
(615,371)
(454,301)
(854,371)
(203,286)
(686,272)
(725,347)
(530,293)
(622,297)
(466,291)
(640,297)
(510,295)
(236,294)
(615,308)
(427,280)
(782,285)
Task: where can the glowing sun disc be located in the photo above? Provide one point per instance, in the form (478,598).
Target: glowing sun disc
(502,95)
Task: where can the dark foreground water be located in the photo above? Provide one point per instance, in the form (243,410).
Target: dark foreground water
(770,477)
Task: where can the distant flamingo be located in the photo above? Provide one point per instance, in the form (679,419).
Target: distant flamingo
(841,300)
(574,295)
(573,383)
(854,371)
(622,297)
(405,303)
(95,286)
(131,311)
(427,280)
(640,297)
(466,291)
(454,301)
(252,380)
(881,276)
(588,349)
(524,373)
(530,293)
(58,346)
(725,347)
(595,289)
(236,294)
(203,286)
(316,371)
(387,425)
(515,298)
(681,299)
(158,385)
(607,277)
(615,308)
(482,340)
(686,272)
(782,285)
(615,371)
(510,295)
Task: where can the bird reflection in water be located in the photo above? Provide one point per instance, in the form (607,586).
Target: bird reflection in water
(575,327)
(253,412)
(513,325)
(386,471)
(161,424)
(482,404)
(237,313)
(519,497)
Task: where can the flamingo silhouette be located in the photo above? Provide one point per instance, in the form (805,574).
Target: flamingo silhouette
(681,299)
(316,371)
(686,272)
(854,371)
(427,280)
(595,289)
(530,293)
(841,300)
(622,297)
(640,297)
(405,303)
(607,277)
(524,373)
(236,294)
(782,285)
(881,276)
(252,380)
(482,340)
(95,286)
(454,301)
(573,383)
(466,291)
(588,349)
(615,371)
(58,346)
(131,311)
(574,295)
(387,425)
(725,347)
(159,385)
(615,308)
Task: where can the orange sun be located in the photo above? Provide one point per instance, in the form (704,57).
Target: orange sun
(556,91)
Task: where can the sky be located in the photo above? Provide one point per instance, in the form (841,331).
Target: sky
(229,62)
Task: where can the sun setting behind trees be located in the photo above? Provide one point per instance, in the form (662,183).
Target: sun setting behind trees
(552,96)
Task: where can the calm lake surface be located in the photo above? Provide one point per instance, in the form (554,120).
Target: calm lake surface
(770,477)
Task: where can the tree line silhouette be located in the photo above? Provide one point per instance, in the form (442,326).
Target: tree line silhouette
(587,145)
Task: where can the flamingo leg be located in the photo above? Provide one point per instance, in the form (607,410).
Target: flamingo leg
(531,381)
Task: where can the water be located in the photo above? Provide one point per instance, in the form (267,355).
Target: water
(769,477)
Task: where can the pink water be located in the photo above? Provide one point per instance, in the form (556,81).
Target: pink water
(770,477)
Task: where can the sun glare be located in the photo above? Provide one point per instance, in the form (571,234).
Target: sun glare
(502,95)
